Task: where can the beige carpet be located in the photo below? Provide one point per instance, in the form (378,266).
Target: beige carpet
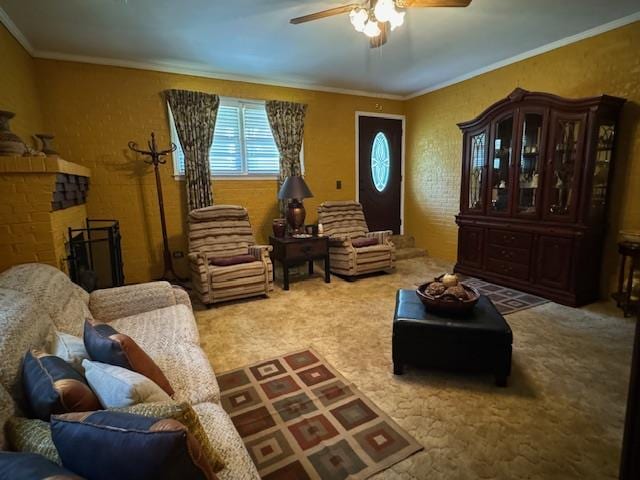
(561,417)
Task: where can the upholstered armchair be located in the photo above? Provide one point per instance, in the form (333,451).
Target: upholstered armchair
(353,249)
(225,262)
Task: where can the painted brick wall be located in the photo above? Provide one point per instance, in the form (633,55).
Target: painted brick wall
(29,231)
(608,63)
(18,88)
(107,107)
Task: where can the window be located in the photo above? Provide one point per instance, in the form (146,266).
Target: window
(242,145)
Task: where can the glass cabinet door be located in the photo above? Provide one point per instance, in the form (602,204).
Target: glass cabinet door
(477,171)
(603,157)
(530,162)
(564,159)
(500,166)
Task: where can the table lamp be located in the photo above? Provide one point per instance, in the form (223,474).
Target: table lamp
(295,189)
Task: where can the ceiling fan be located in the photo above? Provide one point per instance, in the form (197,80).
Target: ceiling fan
(376,18)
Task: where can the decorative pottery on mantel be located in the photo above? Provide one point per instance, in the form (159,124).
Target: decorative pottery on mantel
(47,140)
(10,143)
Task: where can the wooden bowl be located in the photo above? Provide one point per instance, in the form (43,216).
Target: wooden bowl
(447,303)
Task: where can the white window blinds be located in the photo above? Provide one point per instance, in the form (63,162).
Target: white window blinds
(242,141)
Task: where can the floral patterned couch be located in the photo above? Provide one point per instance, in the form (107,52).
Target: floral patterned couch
(36,298)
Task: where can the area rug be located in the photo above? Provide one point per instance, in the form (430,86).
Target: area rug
(507,300)
(300,419)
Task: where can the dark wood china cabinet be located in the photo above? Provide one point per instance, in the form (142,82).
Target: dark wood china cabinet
(535,173)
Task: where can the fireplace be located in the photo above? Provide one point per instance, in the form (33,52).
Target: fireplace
(95,255)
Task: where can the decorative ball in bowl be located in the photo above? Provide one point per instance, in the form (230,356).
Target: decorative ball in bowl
(446,294)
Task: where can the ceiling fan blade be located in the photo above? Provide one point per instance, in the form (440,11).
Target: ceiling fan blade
(323,14)
(381,39)
(432,3)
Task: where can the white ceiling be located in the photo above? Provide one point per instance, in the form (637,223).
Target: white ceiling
(252,39)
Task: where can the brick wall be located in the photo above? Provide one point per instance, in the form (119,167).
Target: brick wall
(108,107)
(29,231)
(608,63)
(18,87)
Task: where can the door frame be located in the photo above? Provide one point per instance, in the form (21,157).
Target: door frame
(391,116)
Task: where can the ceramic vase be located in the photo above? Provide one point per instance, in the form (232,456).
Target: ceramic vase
(47,140)
(10,143)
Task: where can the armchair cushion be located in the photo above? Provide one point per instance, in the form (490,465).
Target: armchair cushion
(364,242)
(32,465)
(104,344)
(235,260)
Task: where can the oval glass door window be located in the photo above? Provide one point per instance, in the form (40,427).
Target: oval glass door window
(380,161)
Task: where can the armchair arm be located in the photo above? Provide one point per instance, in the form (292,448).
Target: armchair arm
(260,251)
(340,241)
(383,236)
(113,303)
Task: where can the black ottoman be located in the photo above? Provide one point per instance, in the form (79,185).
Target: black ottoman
(478,341)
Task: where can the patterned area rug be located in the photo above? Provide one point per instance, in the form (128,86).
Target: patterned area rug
(506,300)
(300,419)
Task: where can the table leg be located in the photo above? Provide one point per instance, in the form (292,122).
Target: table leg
(285,274)
(621,279)
(632,268)
(327,274)
(310,267)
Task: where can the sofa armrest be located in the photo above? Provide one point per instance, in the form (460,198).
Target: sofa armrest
(112,303)
(383,236)
(182,297)
(260,251)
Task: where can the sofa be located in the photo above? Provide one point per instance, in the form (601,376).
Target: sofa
(225,262)
(35,299)
(344,223)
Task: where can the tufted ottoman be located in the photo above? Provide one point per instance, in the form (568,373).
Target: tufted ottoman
(478,341)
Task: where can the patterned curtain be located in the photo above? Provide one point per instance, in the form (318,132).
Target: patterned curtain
(287,124)
(194,114)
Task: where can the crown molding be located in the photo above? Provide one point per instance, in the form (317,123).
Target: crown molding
(592,32)
(201,71)
(16,32)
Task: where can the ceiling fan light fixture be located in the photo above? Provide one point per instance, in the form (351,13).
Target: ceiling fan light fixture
(384,10)
(358,17)
(371,29)
(397,20)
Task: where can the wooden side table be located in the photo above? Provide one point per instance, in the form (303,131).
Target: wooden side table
(622,297)
(290,250)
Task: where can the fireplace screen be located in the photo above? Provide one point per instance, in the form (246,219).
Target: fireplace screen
(95,255)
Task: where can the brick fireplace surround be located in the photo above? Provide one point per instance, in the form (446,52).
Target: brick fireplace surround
(44,197)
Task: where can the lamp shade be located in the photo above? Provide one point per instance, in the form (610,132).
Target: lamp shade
(294,187)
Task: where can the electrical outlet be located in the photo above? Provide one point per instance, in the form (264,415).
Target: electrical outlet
(338,184)
(178,254)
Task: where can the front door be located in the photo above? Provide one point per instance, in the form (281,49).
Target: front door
(380,171)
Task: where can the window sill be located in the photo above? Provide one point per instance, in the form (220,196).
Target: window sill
(180,178)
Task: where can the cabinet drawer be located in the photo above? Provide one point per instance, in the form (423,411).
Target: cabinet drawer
(509,254)
(508,269)
(308,249)
(510,239)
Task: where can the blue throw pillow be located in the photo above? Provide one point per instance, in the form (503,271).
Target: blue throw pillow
(51,386)
(114,445)
(31,466)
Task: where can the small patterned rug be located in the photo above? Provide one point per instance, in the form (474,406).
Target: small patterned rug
(300,419)
(507,300)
